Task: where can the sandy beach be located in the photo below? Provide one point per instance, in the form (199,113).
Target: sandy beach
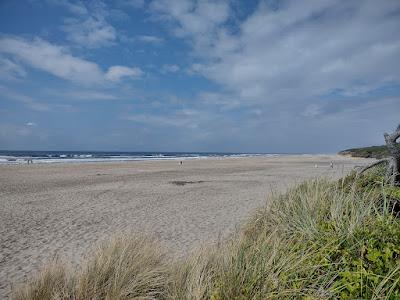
(60,210)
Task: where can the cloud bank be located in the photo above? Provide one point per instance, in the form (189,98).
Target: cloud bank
(225,75)
(57,60)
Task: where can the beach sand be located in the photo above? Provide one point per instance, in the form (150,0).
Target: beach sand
(60,210)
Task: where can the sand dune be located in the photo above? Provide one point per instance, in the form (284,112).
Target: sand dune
(60,210)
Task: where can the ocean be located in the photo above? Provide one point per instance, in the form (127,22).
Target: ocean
(20,157)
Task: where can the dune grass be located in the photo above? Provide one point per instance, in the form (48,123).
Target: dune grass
(320,240)
(53,282)
(124,267)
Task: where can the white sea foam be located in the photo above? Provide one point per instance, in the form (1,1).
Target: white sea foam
(88,158)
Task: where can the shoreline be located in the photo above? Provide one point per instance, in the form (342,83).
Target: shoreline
(6,160)
(61,210)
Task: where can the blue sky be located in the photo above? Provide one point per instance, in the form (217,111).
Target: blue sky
(182,75)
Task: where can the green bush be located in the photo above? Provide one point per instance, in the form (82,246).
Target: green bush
(367,264)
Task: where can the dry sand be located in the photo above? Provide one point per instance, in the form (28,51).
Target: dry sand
(60,210)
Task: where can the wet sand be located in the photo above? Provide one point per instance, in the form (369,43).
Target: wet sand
(60,210)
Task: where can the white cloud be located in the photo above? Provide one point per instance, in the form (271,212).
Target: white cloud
(89,26)
(53,59)
(74,7)
(290,50)
(193,17)
(278,73)
(181,118)
(170,68)
(31,124)
(149,39)
(116,73)
(298,52)
(312,111)
(10,70)
(90,32)
(90,95)
(146,39)
(291,63)
(57,61)
(133,3)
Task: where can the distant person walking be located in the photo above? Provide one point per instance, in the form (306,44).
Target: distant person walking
(331,164)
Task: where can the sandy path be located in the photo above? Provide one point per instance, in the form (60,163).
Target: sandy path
(62,209)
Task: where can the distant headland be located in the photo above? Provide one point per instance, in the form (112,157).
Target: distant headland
(378,152)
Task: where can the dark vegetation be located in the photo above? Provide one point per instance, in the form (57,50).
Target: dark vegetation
(377,152)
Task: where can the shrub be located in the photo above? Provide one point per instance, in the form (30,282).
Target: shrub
(369,262)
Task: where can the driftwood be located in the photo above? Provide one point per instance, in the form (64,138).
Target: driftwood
(394,164)
(393,170)
(382,161)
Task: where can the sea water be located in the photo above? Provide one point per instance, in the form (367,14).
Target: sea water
(18,157)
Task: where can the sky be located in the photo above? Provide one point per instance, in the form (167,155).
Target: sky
(184,75)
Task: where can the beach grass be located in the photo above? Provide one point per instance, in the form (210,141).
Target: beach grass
(319,240)
(124,267)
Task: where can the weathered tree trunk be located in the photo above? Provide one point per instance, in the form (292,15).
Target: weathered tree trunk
(394,150)
(382,161)
(393,170)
